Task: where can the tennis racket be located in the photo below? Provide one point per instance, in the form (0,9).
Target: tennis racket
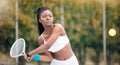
(18,48)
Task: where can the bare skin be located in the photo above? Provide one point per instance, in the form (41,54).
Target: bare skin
(64,53)
(51,33)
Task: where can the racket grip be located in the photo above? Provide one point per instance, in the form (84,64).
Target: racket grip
(36,57)
(28,55)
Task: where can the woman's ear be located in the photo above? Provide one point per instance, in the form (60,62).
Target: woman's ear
(39,20)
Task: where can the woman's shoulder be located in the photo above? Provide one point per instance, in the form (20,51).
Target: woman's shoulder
(40,39)
(58,25)
(59,28)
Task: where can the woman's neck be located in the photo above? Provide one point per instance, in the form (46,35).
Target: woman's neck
(48,29)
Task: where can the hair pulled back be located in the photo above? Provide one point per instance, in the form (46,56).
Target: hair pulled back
(40,26)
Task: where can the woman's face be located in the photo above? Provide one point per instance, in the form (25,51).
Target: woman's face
(46,18)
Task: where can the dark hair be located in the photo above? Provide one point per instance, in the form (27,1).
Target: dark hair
(40,26)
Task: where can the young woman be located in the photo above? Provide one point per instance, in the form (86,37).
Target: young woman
(54,42)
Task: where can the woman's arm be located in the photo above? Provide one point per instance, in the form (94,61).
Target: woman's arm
(47,57)
(55,33)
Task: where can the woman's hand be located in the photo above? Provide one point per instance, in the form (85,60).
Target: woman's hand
(28,59)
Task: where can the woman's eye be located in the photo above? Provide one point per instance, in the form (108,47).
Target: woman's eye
(51,16)
(44,16)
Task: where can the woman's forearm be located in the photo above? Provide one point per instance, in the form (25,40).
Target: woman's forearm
(47,57)
(38,50)
(42,49)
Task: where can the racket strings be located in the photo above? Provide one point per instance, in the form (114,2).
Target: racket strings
(18,48)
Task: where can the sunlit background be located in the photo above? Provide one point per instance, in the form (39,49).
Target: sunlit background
(93,27)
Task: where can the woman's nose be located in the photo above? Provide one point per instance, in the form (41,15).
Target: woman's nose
(48,17)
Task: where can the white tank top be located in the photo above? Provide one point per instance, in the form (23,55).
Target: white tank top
(60,43)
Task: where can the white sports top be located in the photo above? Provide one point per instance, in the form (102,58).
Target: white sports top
(60,43)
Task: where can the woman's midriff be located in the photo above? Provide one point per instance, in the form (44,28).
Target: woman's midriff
(64,53)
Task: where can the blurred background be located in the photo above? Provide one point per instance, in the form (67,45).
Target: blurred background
(87,23)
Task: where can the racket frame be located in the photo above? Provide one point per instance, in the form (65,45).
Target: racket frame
(23,52)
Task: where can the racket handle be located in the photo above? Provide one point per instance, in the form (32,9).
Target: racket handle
(36,57)
(28,55)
